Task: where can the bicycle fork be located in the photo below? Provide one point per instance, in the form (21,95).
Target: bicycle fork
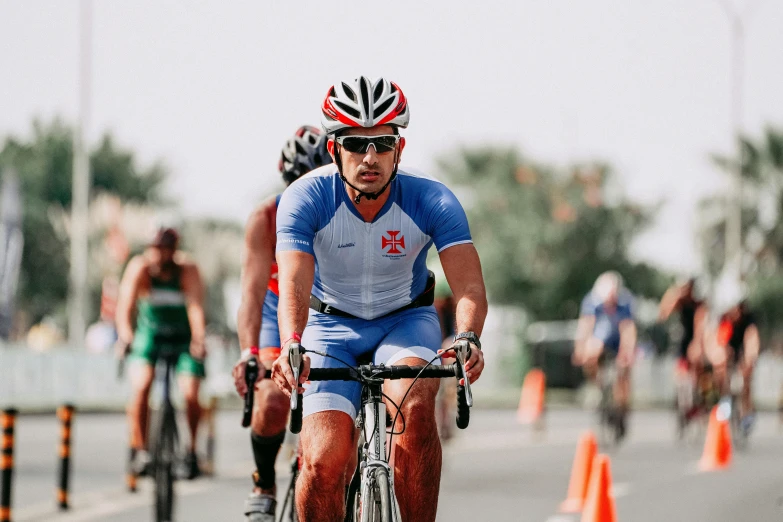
(375,450)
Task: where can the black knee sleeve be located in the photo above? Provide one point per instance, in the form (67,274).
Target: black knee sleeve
(265,451)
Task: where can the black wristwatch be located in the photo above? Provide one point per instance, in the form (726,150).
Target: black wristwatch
(470,336)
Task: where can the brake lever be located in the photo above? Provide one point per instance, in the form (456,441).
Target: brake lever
(295,360)
(462,353)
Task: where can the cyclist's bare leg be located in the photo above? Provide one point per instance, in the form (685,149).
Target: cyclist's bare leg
(270,414)
(328,443)
(417,451)
(141,376)
(747,378)
(622,388)
(190,385)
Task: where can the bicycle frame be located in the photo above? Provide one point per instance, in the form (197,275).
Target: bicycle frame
(372,423)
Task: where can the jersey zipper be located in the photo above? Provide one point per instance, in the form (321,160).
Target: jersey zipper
(367,276)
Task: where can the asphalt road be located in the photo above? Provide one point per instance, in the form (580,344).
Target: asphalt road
(496,470)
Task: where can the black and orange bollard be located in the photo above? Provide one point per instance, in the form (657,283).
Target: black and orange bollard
(7,422)
(65,414)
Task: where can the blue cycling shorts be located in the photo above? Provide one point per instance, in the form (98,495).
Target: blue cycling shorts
(270,333)
(410,333)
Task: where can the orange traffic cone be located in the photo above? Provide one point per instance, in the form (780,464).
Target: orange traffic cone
(580,474)
(599,504)
(531,403)
(717,447)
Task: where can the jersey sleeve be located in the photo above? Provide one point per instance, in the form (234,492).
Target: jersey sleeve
(587,307)
(449,224)
(625,308)
(297,218)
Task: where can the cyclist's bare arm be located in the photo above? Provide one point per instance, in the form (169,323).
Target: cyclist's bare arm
(257,258)
(462,267)
(584,330)
(627,329)
(296,272)
(126,301)
(751,344)
(193,288)
(669,303)
(699,329)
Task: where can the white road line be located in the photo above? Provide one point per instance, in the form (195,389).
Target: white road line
(100,504)
(620,489)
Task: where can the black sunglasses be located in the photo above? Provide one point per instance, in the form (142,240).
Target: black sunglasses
(360,144)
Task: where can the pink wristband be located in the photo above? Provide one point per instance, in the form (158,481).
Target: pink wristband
(294,337)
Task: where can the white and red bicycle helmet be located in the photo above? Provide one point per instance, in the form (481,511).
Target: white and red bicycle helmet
(364,103)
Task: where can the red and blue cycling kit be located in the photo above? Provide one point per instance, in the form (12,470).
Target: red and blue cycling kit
(270,334)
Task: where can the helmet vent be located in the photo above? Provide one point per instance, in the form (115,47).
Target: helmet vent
(347,108)
(376,94)
(349,92)
(380,109)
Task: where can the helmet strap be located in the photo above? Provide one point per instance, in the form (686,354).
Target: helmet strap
(370,196)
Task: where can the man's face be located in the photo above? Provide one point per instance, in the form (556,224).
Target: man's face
(368,171)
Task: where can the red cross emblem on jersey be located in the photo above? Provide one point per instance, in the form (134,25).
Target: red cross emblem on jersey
(393,241)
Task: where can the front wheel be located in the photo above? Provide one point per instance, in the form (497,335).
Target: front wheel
(164,458)
(383,496)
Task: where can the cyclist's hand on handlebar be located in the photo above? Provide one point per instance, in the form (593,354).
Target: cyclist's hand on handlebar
(198,350)
(238,372)
(121,349)
(625,359)
(473,366)
(284,377)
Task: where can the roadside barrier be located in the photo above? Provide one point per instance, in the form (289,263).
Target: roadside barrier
(65,414)
(586,450)
(7,422)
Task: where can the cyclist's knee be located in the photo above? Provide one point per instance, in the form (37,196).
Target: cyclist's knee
(419,406)
(271,409)
(189,386)
(327,445)
(141,376)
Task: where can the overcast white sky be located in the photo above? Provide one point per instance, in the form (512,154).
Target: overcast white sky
(214,87)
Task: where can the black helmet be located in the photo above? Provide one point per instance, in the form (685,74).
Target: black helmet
(303,152)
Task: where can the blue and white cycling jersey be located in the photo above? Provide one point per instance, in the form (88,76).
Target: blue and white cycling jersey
(607,323)
(369,269)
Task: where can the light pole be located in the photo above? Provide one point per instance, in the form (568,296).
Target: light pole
(737,19)
(77,306)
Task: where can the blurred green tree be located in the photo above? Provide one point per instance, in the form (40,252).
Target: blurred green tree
(544,234)
(44,162)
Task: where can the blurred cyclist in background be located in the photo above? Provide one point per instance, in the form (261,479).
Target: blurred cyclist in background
(167,293)
(257,321)
(606,325)
(693,313)
(694,390)
(736,346)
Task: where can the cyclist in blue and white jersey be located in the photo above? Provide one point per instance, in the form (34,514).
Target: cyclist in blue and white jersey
(352,240)
(606,324)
